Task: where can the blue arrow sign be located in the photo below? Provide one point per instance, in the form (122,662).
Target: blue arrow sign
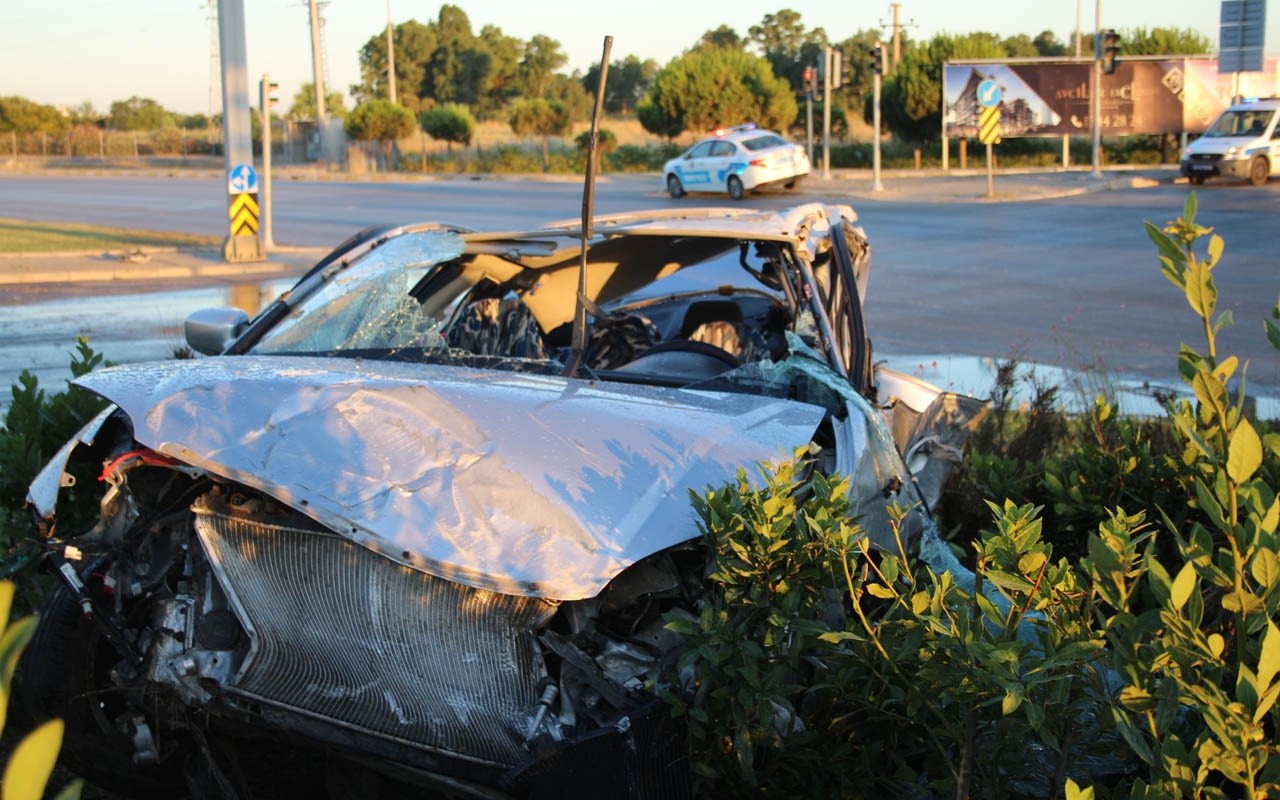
(242,179)
(988,93)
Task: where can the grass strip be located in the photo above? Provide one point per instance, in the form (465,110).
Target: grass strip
(21,236)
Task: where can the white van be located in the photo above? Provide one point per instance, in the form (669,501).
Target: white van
(1244,142)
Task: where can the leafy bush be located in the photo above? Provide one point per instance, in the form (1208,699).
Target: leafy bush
(1144,661)
(35,426)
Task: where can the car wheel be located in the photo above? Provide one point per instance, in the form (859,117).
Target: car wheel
(674,187)
(1259,171)
(734,184)
(1196,180)
(66,673)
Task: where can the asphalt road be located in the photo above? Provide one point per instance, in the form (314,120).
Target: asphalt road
(1072,281)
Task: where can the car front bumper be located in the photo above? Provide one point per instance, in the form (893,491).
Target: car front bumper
(1232,168)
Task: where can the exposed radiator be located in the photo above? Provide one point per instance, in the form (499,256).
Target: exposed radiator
(345,634)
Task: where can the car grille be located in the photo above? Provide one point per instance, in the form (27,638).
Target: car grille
(1206,157)
(350,636)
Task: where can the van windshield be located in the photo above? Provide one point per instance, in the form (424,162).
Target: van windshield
(1241,123)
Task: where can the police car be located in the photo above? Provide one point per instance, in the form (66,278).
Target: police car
(736,160)
(1244,142)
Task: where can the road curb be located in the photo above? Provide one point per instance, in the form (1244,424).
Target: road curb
(86,272)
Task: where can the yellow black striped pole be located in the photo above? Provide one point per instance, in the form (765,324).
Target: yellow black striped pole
(989,134)
(243,214)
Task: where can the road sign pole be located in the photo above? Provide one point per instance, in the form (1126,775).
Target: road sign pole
(826,112)
(1095,92)
(808,92)
(991,184)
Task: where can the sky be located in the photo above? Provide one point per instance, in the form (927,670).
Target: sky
(67,52)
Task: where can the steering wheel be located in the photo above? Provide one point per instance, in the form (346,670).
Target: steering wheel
(683,358)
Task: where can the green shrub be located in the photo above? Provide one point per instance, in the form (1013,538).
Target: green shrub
(1131,650)
(35,426)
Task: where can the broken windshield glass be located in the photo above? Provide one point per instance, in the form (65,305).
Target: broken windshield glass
(368,305)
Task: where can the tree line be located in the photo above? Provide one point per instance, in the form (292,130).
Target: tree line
(448,76)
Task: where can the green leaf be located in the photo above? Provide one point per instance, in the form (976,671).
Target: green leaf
(1272,518)
(1137,699)
(1269,659)
(1216,246)
(1241,602)
(1182,586)
(835,637)
(1173,261)
(1012,699)
(1201,292)
(881,591)
(1216,644)
(72,790)
(1189,209)
(1074,792)
(32,762)
(1224,320)
(1245,453)
(1226,368)
(1273,333)
(1265,567)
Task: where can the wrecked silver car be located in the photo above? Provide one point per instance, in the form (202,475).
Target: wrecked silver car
(425,513)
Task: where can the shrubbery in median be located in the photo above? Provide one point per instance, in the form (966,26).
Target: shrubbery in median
(1116,632)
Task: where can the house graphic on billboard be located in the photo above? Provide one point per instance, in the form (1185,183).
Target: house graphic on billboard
(1021,109)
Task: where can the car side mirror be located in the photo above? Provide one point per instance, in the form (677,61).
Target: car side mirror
(210,330)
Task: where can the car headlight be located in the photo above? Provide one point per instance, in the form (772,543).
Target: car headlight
(1186,154)
(1233,152)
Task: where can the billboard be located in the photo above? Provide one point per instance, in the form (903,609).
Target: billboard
(1050,97)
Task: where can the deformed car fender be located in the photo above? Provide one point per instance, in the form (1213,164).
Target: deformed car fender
(517,483)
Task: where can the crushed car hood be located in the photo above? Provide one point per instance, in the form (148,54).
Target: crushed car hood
(518,483)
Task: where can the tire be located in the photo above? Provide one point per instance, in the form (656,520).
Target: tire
(1196,180)
(1259,171)
(734,185)
(674,187)
(65,673)
(792,184)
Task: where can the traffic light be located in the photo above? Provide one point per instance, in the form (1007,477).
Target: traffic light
(266,93)
(1110,51)
(836,71)
(877,59)
(810,80)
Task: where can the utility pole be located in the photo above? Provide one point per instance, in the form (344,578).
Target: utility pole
(266,99)
(1078,31)
(391,58)
(317,69)
(1095,98)
(897,38)
(877,66)
(242,243)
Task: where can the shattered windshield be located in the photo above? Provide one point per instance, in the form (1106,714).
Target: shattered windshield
(369,304)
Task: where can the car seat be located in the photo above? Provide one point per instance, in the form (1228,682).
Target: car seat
(736,338)
(493,327)
(617,339)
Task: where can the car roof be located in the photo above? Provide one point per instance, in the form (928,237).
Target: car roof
(1257,104)
(738,133)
